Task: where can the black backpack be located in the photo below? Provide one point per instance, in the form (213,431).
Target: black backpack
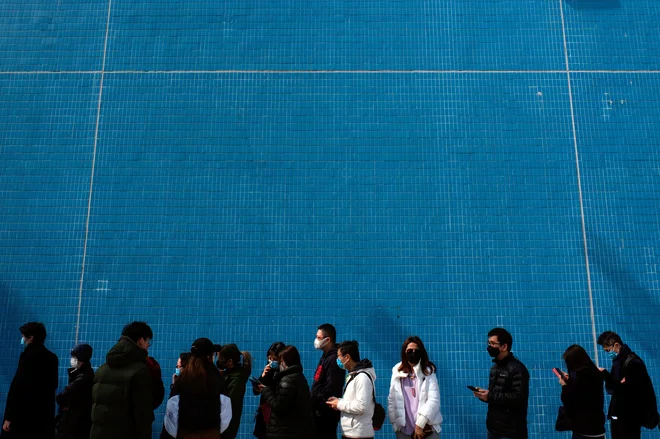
(651,417)
(378,419)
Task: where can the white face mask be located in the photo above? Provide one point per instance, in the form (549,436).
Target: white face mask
(74,362)
(320,344)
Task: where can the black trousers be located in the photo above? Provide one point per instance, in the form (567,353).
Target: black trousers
(326,427)
(621,430)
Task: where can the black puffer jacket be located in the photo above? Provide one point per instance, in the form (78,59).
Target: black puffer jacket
(75,401)
(291,415)
(583,398)
(508,394)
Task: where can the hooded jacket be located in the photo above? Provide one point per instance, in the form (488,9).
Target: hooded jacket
(122,394)
(31,400)
(426,386)
(329,381)
(357,405)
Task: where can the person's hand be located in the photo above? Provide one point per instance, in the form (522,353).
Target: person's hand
(602,369)
(623,381)
(333,403)
(260,388)
(563,379)
(266,371)
(482,395)
(419,432)
(6,426)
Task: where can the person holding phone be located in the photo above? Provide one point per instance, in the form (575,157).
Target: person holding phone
(267,377)
(288,398)
(508,390)
(582,394)
(413,404)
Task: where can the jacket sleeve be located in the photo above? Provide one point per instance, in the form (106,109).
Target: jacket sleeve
(432,405)
(141,402)
(282,399)
(18,391)
(72,391)
(332,385)
(391,402)
(363,394)
(226,411)
(517,396)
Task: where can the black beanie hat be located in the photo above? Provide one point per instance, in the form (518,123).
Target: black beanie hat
(83,352)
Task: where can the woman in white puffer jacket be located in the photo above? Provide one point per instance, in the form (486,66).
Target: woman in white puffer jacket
(414,400)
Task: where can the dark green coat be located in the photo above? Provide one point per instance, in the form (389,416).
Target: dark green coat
(122,394)
(237,379)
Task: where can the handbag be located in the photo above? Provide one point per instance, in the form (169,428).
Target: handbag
(562,423)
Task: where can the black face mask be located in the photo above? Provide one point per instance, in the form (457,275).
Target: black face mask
(413,356)
(493,351)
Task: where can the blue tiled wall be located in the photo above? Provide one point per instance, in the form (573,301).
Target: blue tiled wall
(395,168)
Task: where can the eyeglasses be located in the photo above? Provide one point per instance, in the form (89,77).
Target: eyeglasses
(149,342)
(494,344)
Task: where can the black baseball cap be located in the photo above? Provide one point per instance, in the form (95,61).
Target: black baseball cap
(202,347)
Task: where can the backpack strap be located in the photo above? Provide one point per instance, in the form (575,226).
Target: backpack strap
(373,387)
(631,357)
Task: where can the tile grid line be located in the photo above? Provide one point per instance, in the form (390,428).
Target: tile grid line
(311,72)
(579,185)
(91,179)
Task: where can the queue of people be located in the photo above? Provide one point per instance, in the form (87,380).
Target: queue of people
(209,384)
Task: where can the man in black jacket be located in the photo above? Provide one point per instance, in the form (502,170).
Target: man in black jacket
(30,409)
(328,382)
(633,398)
(508,390)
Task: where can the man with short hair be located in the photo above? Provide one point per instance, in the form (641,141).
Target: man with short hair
(633,398)
(30,407)
(123,388)
(328,382)
(508,390)
(357,405)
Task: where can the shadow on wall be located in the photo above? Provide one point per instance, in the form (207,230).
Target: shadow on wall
(625,285)
(14,315)
(594,4)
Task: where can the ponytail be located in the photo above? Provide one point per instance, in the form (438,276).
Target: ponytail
(247,362)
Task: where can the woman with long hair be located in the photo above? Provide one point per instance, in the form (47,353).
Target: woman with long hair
(289,399)
(582,394)
(414,399)
(198,388)
(236,367)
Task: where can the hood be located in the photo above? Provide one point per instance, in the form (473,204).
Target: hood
(125,352)
(365,366)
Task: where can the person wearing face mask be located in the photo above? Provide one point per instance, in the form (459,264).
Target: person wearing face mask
(31,399)
(414,399)
(633,403)
(74,420)
(267,378)
(237,367)
(288,398)
(328,382)
(122,392)
(357,405)
(508,390)
(181,362)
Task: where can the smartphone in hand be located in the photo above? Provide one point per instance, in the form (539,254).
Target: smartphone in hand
(474,389)
(558,372)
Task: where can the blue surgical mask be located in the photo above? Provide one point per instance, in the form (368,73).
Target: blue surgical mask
(340,364)
(177,372)
(275,365)
(612,354)
(22,341)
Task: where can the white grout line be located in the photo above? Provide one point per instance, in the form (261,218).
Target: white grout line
(312,72)
(579,183)
(91,179)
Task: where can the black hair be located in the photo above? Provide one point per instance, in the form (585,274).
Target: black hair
(503,336)
(185,357)
(576,358)
(427,366)
(36,330)
(290,356)
(231,352)
(275,349)
(329,331)
(609,338)
(137,330)
(351,348)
